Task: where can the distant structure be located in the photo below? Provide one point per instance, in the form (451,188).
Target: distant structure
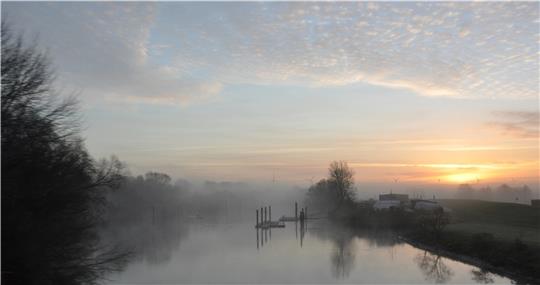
(387,205)
(391,201)
(403,198)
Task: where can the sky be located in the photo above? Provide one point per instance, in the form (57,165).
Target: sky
(432,92)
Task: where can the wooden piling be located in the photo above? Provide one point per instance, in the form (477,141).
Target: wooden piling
(257,220)
(265,214)
(270,213)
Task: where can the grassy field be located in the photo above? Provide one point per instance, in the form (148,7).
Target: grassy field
(505,221)
(505,237)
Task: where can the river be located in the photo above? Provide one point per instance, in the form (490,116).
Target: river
(204,252)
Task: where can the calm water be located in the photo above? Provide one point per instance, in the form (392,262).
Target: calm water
(237,253)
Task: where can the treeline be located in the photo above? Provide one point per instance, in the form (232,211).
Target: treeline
(53,191)
(154,198)
(502,193)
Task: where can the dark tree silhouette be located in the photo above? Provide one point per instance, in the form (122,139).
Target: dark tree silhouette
(341,179)
(51,188)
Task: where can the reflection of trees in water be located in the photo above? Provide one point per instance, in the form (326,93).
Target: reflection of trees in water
(344,252)
(433,267)
(374,238)
(153,243)
(343,257)
(482,276)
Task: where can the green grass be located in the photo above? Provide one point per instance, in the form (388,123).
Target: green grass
(475,211)
(529,236)
(505,221)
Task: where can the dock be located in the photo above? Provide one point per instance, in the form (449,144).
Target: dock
(265,221)
(288,219)
(270,224)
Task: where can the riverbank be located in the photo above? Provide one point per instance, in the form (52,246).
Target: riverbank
(516,261)
(500,237)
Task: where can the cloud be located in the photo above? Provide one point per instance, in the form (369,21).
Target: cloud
(103,50)
(169,52)
(523,124)
(465,50)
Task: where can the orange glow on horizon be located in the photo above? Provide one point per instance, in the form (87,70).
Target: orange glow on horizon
(462,177)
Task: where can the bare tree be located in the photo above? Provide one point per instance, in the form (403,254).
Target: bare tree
(341,178)
(52,190)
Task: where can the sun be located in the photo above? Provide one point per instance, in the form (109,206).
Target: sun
(462,177)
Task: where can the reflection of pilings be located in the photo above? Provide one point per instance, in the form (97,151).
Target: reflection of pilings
(301,233)
(296,229)
(296,210)
(257,230)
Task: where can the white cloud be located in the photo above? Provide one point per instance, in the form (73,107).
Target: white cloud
(171,52)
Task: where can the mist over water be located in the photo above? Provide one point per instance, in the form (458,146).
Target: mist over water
(235,252)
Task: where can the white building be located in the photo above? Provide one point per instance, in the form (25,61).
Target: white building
(386,204)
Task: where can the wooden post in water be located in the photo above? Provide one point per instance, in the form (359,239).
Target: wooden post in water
(261,215)
(270,213)
(296,210)
(257,222)
(265,213)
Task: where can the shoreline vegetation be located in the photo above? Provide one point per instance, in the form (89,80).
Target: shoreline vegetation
(502,238)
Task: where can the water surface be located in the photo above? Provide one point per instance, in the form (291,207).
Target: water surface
(201,252)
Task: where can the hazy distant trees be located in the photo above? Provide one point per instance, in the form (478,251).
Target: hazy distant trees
(503,193)
(51,188)
(152,198)
(141,198)
(157,177)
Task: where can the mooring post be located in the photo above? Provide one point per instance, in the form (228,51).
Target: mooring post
(296,210)
(270,213)
(257,220)
(265,214)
